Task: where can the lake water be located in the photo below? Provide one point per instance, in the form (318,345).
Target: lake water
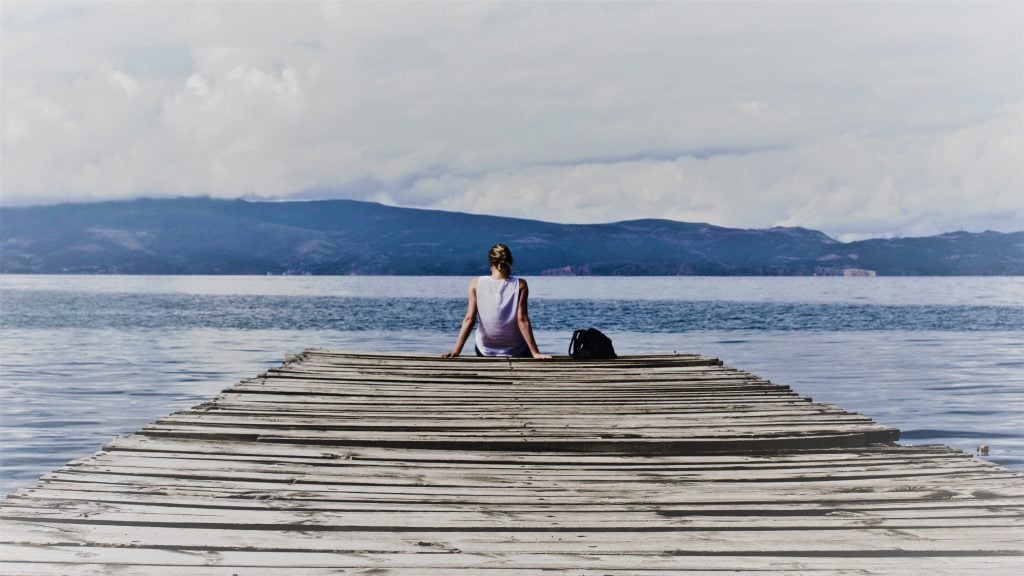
(85,358)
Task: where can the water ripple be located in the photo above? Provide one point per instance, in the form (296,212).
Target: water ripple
(34,309)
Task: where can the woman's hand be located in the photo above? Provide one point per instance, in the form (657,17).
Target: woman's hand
(539,356)
(468,321)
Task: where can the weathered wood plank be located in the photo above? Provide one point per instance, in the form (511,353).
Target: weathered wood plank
(479,518)
(704,471)
(162,561)
(393,541)
(420,465)
(155,444)
(70,495)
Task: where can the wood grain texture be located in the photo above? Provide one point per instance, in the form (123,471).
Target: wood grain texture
(340,463)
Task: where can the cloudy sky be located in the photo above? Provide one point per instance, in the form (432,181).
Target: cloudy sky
(856,118)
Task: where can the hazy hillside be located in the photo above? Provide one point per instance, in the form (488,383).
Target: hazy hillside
(203,236)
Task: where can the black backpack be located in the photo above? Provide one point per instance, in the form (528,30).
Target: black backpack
(590,344)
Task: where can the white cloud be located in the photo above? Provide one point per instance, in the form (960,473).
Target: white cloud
(856,118)
(850,186)
(124,81)
(198,84)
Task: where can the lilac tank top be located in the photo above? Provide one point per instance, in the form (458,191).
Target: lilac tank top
(497,330)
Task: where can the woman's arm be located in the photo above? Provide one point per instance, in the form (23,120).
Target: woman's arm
(523,318)
(467,323)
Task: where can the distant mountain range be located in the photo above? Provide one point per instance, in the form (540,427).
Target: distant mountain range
(204,236)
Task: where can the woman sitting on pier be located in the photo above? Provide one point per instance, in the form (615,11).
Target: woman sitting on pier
(497,306)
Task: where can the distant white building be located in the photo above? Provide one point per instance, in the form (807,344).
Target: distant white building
(847,272)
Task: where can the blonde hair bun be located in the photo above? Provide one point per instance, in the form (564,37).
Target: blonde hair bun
(501,258)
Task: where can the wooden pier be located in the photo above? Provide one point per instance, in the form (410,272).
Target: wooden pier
(369,464)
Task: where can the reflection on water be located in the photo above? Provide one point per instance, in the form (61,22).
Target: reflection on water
(894,291)
(959,389)
(35,309)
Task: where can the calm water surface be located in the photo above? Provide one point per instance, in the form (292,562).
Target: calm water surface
(84,358)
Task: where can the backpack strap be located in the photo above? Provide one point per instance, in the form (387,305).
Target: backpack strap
(576,343)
